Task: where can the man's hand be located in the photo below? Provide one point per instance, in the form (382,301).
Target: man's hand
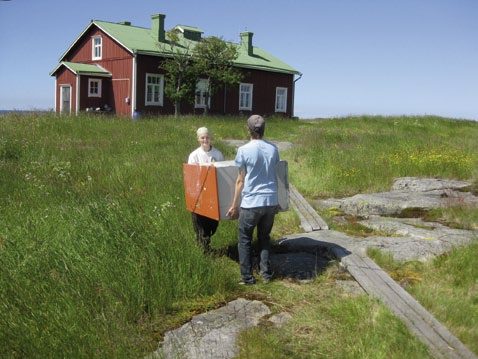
(233,212)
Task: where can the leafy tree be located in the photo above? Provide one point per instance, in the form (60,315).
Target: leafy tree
(214,58)
(181,72)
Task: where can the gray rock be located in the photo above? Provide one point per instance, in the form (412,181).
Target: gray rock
(408,192)
(280,319)
(212,335)
(414,239)
(416,184)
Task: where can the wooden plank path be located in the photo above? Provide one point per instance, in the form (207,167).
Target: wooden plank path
(309,218)
(441,342)
(377,283)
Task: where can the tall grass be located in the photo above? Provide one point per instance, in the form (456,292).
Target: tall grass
(351,155)
(97,251)
(94,236)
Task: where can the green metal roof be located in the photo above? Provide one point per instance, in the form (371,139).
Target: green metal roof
(189,28)
(133,38)
(142,41)
(262,60)
(82,69)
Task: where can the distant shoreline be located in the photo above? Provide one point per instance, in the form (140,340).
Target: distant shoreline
(4,112)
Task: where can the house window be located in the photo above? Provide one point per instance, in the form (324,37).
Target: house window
(201,94)
(97,48)
(65,98)
(281,99)
(245,96)
(94,88)
(154,90)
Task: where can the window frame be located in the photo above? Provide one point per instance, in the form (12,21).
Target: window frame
(96,47)
(201,93)
(65,89)
(97,88)
(160,90)
(245,95)
(281,99)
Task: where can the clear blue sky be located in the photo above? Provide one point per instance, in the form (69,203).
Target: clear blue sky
(378,57)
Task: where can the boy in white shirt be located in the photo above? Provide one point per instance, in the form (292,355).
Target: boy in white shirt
(203,226)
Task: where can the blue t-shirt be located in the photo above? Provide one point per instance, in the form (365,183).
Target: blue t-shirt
(259,159)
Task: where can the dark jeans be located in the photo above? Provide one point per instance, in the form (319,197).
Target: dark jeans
(249,219)
(205,228)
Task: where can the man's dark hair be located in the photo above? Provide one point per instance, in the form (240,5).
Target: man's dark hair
(256,125)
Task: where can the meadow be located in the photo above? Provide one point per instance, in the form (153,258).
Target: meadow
(97,250)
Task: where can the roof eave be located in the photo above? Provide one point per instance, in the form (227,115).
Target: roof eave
(96,74)
(266,68)
(151,53)
(102,73)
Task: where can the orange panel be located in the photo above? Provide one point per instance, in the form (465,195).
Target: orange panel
(200,189)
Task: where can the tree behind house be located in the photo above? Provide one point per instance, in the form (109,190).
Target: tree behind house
(181,73)
(212,58)
(215,59)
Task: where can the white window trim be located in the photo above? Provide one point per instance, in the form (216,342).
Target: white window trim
(281,100)
(161,90)
(90,83)
(96,46)
(201,88)
(248,105)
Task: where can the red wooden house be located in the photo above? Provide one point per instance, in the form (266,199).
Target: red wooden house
(115,67)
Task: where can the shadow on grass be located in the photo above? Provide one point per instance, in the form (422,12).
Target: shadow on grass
(300,263)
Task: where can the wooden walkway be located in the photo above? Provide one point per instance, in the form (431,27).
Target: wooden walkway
(377,283)
(309,218)
(441,342)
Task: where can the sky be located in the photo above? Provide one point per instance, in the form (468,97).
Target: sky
(357,57)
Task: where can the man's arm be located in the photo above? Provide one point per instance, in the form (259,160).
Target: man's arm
(233,212)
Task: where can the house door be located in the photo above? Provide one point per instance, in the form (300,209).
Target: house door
(65,99)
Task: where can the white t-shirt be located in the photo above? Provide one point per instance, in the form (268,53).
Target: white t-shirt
(199,156)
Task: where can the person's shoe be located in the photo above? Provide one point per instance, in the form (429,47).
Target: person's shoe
(266,276)
(249,282)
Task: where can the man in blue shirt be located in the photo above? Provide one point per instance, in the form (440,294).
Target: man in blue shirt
(256,199)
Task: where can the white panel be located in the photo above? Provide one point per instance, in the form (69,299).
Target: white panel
(226,174)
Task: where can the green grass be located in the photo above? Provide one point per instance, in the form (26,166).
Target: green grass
(97,251)
(355,155)
(94,235)
(329,323)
